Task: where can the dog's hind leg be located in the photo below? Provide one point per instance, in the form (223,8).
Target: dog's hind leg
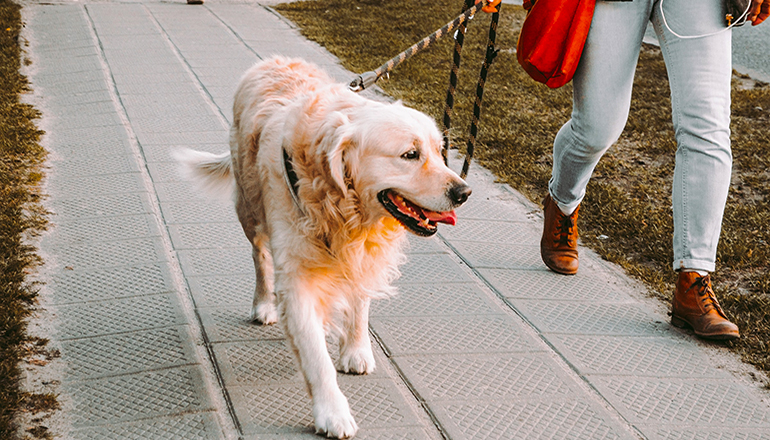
(263,308)
(355,347)
(303,324)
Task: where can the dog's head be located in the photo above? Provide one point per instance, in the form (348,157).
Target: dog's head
(391,156)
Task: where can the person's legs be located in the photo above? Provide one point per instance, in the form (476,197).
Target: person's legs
(699,71)
(602,95)
(601,99)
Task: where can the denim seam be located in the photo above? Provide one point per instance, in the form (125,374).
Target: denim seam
(676,119)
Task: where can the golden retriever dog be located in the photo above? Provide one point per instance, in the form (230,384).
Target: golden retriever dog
(326,184)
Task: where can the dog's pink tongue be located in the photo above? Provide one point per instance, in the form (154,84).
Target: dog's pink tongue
(448,217)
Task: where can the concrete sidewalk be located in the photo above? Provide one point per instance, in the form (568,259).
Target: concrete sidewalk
(149,284)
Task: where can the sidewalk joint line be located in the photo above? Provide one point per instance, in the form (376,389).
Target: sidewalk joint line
(233,33)
(182,290)
(542,337)
(190,71)
(405,380)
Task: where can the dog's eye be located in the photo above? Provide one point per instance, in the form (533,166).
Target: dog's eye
(411,155)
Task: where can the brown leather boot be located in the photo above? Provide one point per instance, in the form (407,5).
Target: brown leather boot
(558,247)
(695,306)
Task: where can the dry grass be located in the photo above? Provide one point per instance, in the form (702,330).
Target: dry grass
(626,214)
(20,215)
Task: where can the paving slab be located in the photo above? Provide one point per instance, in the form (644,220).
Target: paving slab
(149,282)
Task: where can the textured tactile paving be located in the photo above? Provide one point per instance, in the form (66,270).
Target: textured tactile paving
(104,229)
(480,208)
(287,407)
(199,212)
(501,255)
(208,235)
(93,166)
(164,172)
(183,427)
(99,185)
(257,363)
(699,433)
(126,353)
(435,299)
(169,124)
(217,291)
(78,148)
(227,324)
(591,318)
(430,268)
(456,334)
(684,401)
(269,362)
(65,100)
(544,284)
(421,245)
(103,206)
(235,261)
(189,138)
(85,141)
(487,231)
(492,376)
(179,191)
(635,356)
(116,316)
(137,396)
(72,286)
(362,434)
(110,254)
(528,419)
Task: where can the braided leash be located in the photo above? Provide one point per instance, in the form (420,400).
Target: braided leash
(488,59)
(367,79)
(450,93)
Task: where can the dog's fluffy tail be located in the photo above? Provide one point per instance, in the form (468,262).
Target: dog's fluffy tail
(212,173)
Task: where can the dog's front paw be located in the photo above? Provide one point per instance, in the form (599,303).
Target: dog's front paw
(333,417)
(264,313)
(357,361)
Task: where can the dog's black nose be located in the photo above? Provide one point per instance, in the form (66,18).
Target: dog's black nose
(459,193)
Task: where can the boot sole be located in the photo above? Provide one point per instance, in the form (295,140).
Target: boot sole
(681,323)
(560,271)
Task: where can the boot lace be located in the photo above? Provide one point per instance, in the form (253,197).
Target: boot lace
(706,295)
(564,229)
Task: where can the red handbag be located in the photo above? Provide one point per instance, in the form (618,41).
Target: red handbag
(552,39)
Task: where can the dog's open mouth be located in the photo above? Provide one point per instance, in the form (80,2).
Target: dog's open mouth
(417,219)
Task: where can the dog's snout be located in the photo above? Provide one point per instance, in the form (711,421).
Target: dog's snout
(459,193)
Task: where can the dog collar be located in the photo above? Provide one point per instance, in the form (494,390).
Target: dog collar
(290,176)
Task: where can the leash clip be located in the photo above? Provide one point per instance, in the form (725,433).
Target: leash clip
(364,81)
(491,6)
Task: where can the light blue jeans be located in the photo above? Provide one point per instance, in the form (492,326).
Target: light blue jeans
(699,73)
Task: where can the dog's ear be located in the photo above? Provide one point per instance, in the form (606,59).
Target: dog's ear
(339,139)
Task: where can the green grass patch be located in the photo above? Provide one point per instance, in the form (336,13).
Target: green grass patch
(20,215)
(626,214)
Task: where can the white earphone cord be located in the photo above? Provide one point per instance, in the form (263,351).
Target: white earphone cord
(665,23)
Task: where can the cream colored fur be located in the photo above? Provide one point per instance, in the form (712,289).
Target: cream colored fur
(319,265)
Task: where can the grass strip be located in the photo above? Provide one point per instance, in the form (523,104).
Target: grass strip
(20,214)
(626,215)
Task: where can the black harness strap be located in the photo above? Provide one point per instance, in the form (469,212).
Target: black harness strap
(290,176)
